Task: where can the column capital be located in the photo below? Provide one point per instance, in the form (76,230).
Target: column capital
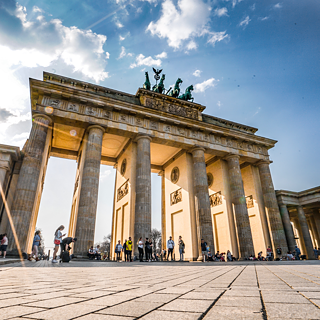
(39,115)
(231,156)
(262,162)
(97,127)
(142,136)
(197,148)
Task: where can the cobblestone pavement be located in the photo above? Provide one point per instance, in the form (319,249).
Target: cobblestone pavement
(124,291)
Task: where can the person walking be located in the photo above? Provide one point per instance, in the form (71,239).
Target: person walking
(204,250)
(129,249)
(124,246)
(181,248)
(140,248)
(118,250)
(297,252)
(4,245)
(150,250)
(170,246)
(35,245)
(57,240)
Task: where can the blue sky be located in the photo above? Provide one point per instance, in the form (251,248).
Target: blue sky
(252,62)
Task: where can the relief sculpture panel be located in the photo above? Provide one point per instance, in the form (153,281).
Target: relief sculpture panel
(216,199)
(123,190)
(175,197)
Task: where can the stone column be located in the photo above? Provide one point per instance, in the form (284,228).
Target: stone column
(163,209)
(240,207)
(86,219)
(202,201)
(305,233)
(142,218)
(287,227)
(26,191)
(275,224)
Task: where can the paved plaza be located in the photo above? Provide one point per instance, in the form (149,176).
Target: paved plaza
(106,290)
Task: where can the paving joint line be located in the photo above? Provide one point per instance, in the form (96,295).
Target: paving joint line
(264,310)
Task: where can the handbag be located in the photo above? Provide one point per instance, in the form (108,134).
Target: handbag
(56,241)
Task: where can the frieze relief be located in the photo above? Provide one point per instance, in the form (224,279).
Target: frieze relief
(155,125)
(123,190)
(249,202)
(175,197)
(216,199)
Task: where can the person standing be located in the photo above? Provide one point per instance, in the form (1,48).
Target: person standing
(129,249)
(297,253)
(57,240)
(118,250)
(150,250)
(147,248)
(279,252)
(181,248)
(170,246)
(315,250)
(140,248)
(204,250)
(4,245)
(35,245)
(269,254)
(229,256)
(124,246)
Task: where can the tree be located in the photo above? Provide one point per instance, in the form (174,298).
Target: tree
(156,239)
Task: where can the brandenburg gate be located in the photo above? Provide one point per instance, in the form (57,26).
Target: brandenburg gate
(216,180)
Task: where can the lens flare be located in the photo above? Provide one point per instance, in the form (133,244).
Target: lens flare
(48,110)
(73,133)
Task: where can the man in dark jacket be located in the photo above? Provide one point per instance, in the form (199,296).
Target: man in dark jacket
(64,244)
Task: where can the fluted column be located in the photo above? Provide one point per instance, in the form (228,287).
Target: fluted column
(202,201)
(142,220)
(240,207)
(305,233)
(287,227)
(26,190)
(86,219)
(270,200)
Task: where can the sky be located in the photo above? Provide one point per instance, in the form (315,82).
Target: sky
(252,62)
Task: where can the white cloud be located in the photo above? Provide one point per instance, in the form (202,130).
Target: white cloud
(33,43)
(122,53)
(192,45)
(119,24)
(197,73)
(221,12)
(36,9)
(235,2)
(141,60)
(104,174)
(264,18)
(162,55)
(107,55)
(217,37)
(181,23)
(203,86)
(244,22)
(253,7)
(121,38)
(278,5)
(219,104)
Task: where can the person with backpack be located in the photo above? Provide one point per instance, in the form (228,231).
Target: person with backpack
(57,240)
(35,246)
(129,249)
(170,246)
(181,248)
(140,248)
(118,250)
(4,245)
(147,249)
(204,250)
(65,247)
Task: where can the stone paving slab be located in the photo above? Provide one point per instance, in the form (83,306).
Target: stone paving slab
(154,291)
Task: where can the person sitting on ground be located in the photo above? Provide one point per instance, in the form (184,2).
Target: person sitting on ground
(222,257)
(97,253)
(279,252)
(57,240)
(164,254)
(4,245)
(118,250)
(91,253)
(218,256)
(269,254)
(290,255)
(210,257)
